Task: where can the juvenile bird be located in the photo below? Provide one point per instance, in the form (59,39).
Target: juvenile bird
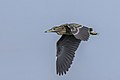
(72,35)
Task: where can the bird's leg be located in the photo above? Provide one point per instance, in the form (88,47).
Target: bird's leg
(93,33)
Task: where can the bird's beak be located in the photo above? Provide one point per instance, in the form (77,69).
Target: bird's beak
(50,30)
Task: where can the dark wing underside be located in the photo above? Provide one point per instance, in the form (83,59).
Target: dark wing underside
(66,47)
(82,33)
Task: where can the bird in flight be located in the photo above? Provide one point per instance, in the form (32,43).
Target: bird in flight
(72,35)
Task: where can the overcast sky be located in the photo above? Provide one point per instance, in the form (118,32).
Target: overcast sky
(27,53)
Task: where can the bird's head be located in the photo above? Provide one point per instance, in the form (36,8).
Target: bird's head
(58,29)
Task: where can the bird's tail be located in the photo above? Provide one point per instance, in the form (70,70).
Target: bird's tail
(92,32)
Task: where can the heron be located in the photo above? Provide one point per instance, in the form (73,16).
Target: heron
(72,35)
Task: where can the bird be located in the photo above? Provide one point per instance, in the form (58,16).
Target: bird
(72,35)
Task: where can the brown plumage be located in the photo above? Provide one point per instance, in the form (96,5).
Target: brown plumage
(72,35)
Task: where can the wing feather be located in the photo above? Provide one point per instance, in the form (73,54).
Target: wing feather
(66,47)
(83,33)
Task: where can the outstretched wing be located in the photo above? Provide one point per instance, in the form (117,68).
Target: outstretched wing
(81,33)
(66,47)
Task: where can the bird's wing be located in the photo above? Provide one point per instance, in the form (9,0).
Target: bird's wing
(81,33)
(66,47)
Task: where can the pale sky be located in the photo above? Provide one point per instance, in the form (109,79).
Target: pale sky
(27,53)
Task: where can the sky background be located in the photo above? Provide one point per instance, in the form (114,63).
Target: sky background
(27,53)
